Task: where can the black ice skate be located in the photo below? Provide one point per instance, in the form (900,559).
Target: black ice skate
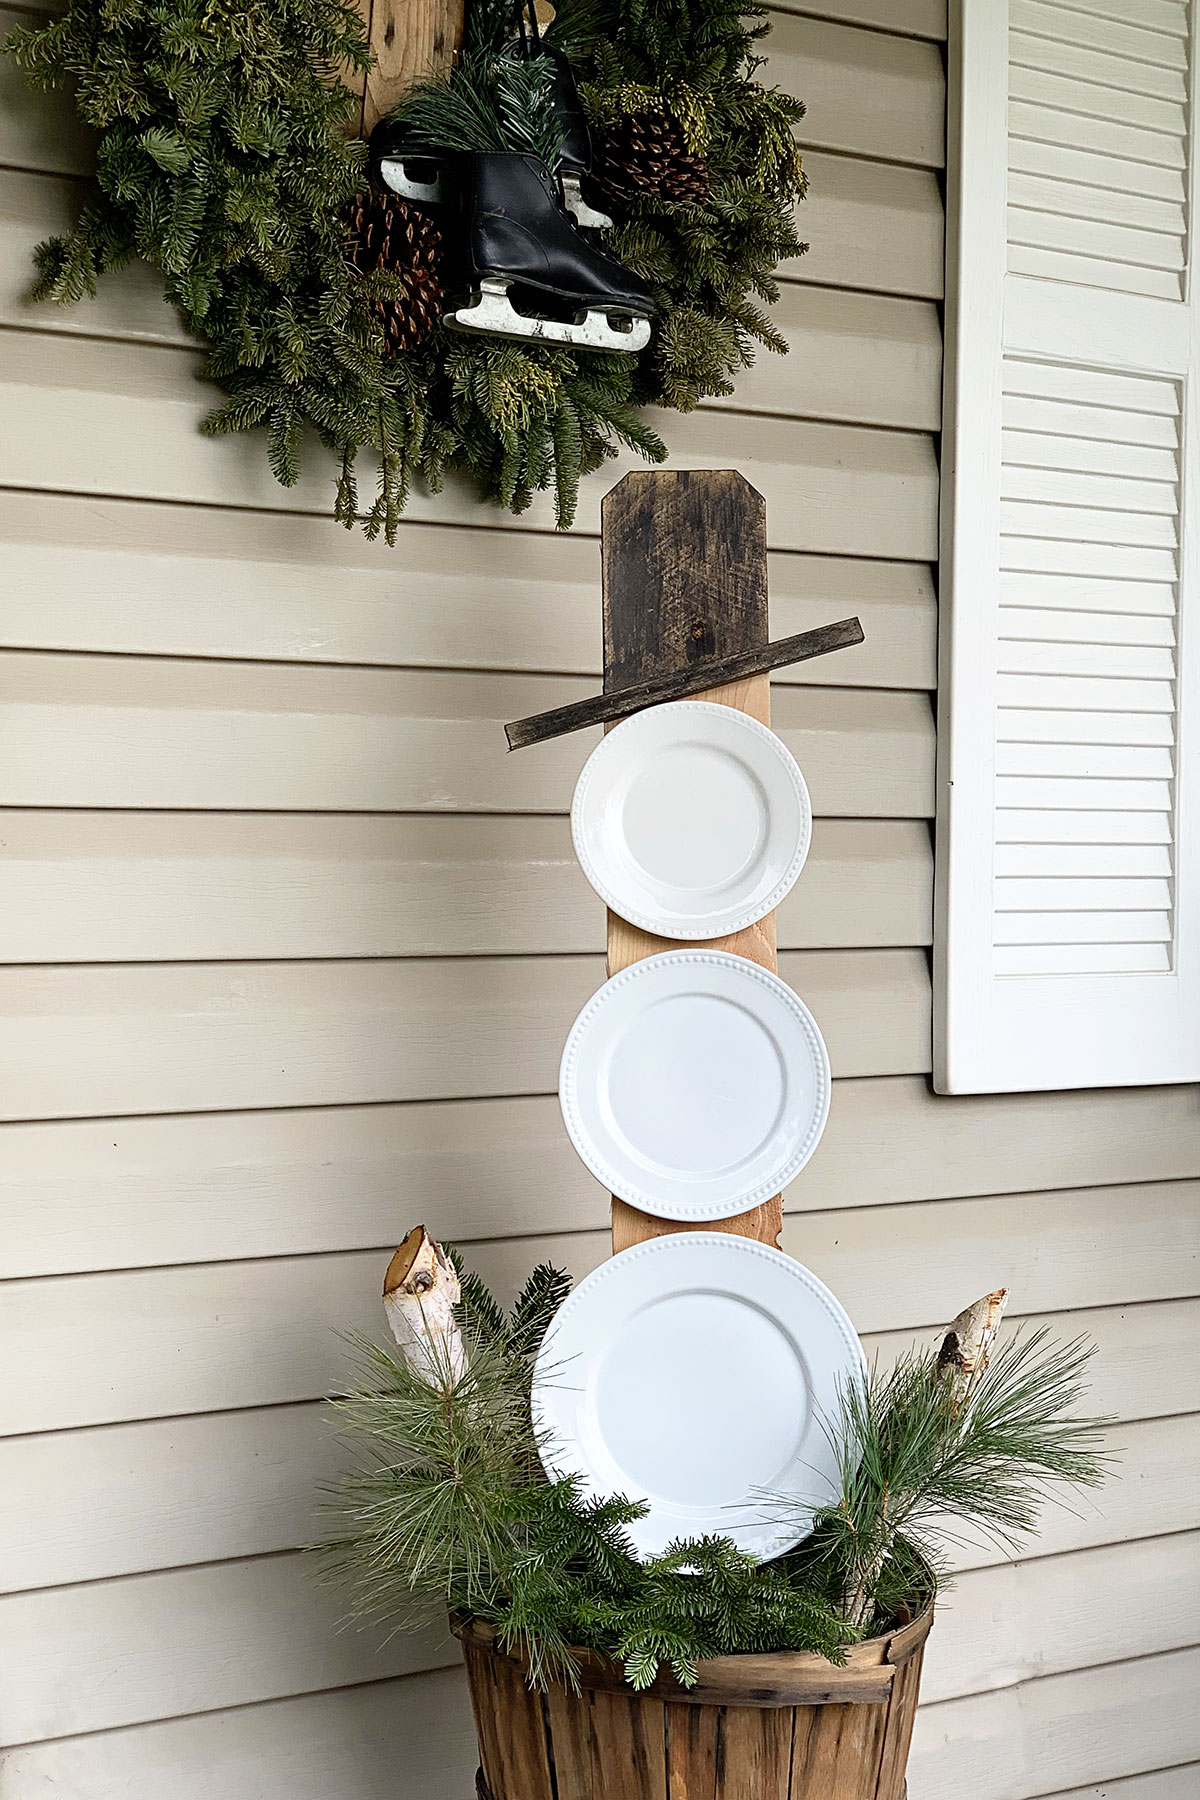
(530,273)
(575,162)
(412,170)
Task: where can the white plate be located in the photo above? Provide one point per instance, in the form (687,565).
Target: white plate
(691,820)
(695,1084)
(700,1372)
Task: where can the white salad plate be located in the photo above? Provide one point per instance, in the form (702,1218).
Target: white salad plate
(691,820)
(695,1084)
(701,1373)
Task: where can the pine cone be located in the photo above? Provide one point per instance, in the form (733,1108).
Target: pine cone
(647,153)
(387,232)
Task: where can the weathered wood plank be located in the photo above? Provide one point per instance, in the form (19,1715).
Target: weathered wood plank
(685,587)
(91,731)
(742,668)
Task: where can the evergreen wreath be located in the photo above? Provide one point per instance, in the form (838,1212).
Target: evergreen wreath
(449,1507)
(223,160)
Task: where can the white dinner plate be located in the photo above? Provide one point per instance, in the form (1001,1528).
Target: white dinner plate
(691,820)
(700,1372)
(695,1084)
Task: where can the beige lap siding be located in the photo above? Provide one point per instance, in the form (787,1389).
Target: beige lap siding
(293,946)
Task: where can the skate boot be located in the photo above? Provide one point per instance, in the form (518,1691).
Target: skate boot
(529,273)
(575,163)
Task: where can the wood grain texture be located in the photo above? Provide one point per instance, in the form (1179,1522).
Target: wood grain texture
(684,557)
(412,40)
(783,1727)
(344,1742)
(684,683)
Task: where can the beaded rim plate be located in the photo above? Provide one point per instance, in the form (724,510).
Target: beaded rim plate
(691,820)
(695,1085)
(700,1372)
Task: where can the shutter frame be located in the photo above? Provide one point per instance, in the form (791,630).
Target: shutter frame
(1030,773)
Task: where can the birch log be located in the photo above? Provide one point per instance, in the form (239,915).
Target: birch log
(420,1293)
(968,1342)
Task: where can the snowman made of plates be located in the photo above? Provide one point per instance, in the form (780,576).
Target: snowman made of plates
(698,1370)
(497,242)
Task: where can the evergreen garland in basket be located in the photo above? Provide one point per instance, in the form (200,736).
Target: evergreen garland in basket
(449,1507)
(223,160)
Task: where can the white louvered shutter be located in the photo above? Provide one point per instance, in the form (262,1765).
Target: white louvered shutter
(1067,939)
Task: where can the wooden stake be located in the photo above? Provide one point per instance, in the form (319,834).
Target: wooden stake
(685,581)
(412,39)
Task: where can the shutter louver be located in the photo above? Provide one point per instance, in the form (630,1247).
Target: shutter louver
(1067,832)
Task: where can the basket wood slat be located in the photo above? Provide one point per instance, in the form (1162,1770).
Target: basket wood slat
(774,1727)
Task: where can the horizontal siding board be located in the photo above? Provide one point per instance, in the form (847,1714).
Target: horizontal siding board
(913,18)
(1179,1783)
(872,225)
(863,358)
(130,302)
(857,358)
(128,1193)
(341,1745)
(136,578)
(345,1743)
(91,417)
(866,92)
(1043,1618)
(184,1641)
(39,128)
(124,1499)
(108,1039)
(88,1349)
(198,1639)
(89,731)
(1093,1725)
(125,887)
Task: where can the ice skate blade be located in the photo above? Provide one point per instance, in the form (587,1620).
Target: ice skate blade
(393,173)
(580,211)
(495,314)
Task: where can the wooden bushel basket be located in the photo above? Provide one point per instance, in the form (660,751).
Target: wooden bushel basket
(779,1727)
